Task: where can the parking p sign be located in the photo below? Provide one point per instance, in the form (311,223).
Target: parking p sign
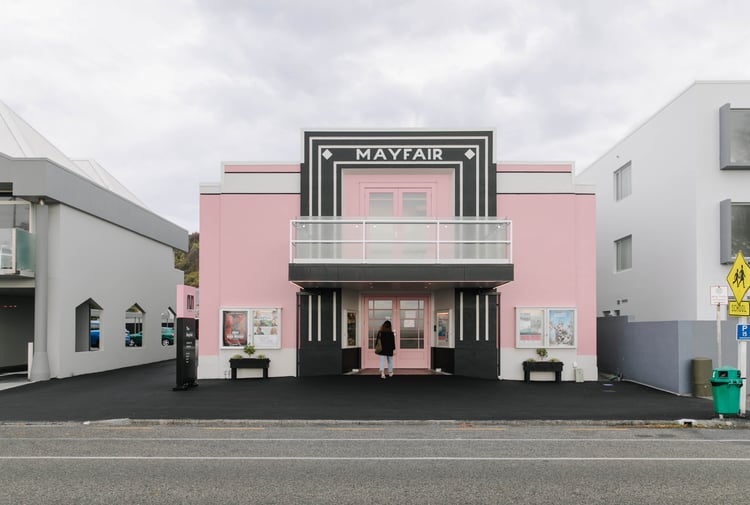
(743,332)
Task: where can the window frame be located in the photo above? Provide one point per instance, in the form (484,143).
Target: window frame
(29,213)
(351,328)
(88,314)
(619,243)
(727,126)
(547,319)
(727,248)
(623,181)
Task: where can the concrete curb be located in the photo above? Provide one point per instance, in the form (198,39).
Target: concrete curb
(734,423)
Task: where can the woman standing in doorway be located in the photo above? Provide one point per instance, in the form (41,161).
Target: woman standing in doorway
(388,347)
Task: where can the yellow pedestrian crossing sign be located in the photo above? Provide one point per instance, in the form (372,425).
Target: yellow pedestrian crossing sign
(739,277)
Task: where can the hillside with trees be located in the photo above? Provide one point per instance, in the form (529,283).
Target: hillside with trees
(188,262)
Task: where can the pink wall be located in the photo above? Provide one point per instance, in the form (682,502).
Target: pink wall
(553,254)
(554,260)
(585,243)
(441,184)
(255,255)
(186,301)
(210,215)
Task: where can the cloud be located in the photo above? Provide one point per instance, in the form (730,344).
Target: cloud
(161,92)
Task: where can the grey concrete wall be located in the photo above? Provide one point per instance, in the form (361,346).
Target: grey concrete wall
(660,354)
(16,329)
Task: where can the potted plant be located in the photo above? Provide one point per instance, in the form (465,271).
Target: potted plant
(532,365)
(240,361)
(541,352)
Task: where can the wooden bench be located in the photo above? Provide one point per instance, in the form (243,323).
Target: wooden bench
(259,363)
(542,366)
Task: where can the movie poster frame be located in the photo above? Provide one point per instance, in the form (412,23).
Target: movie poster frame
(547,319)
(243,330)
(270,338)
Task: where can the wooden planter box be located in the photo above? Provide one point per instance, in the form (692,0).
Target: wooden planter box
(542,366)
(260,363)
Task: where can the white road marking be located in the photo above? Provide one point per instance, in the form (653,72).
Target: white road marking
(83,438)
(358,458)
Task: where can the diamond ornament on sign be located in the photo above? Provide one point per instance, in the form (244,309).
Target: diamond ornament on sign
(327,154)
(469,153)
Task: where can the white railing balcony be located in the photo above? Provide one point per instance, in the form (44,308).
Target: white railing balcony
(16,252)
(396,241)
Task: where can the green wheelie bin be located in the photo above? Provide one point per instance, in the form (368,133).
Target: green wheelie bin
(726,384)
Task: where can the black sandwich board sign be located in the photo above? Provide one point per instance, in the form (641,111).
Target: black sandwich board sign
(186,337)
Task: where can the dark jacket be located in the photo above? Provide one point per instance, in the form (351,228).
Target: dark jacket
(388,341)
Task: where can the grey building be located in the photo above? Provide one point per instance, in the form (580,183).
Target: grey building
(673,210)
(86,270)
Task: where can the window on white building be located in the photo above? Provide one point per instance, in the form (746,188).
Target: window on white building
(734,138)
(167,327)
(624,253)
(14,214)
(741,228)
(623,185)
(134,326)
(87,329)
(734,229)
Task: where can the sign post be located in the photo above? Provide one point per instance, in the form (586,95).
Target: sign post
(739,283)
(719,297)
(743,335)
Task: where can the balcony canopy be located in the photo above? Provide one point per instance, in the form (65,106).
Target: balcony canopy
(378,253)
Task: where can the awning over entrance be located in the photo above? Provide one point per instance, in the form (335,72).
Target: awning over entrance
(394,276)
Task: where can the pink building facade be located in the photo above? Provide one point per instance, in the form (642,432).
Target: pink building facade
(477,264)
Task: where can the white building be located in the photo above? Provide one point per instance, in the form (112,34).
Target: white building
(673,209)
(83,264)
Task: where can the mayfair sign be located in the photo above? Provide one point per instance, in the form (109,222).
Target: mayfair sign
(400,154)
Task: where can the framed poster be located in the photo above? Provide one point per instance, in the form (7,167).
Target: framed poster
(545,327)
(351,328)
(529,327)
(442,323)
(234,328)
(561,327)
(267,328)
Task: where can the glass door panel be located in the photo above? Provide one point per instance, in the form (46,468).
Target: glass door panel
(413,351)
(380,204)
(411,334)
(399,203)
(378,311)
(414,204)
(407,316)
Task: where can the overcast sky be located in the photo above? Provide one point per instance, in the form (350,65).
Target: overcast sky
(161,92)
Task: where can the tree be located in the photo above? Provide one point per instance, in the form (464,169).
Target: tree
(188,262)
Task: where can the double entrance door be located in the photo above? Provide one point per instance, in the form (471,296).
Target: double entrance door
(409,317)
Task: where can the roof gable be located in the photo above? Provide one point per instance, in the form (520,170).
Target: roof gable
(18,139)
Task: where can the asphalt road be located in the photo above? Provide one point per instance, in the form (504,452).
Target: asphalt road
(378,463)
(146,393)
